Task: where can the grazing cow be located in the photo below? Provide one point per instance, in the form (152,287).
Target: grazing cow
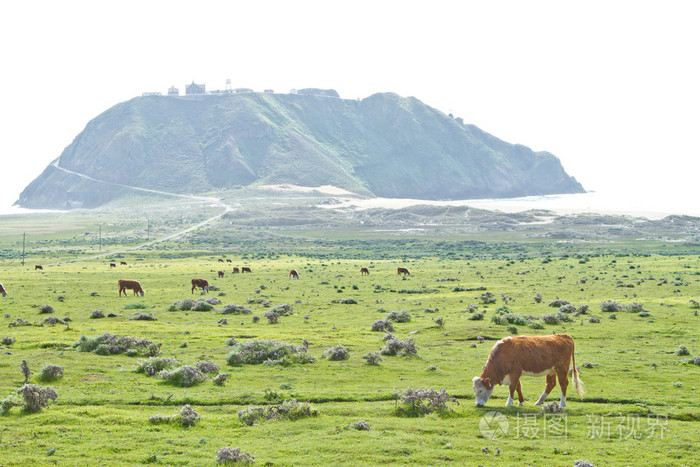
(403,271)
(221,274)
(364,271)
(229,261)
(512,357)
(201,283)
(294,274)
(38,266)
(112,265)
(130,285)
(236,270)
(2,290)
(221,260)
(245,269)
(123,263)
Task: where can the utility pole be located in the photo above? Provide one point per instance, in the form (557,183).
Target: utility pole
(24,238)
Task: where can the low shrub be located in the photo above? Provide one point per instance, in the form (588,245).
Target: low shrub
(402,316)
(682,351)
(97,314)
(207,367)
(185,376)
(383,326)
(203,306)
(110,344)
(394,346)
(477,316)
(142,317)
(6,340)
(272,317)
(282,310)
(235,310)
(337,353)
(233,456)
(135,306)
(558,303)
(267,351)
(420,401)
(186,417)
(52,321)
(220,379)
(610,307)
(50,373)
(155,365)
(36,397)
(487,298)
(46,309)
(287,410)
(373,358)
(361,425)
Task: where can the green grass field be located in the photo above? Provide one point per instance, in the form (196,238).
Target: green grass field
(641,403)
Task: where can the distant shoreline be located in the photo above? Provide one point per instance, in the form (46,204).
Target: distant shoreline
(591,202)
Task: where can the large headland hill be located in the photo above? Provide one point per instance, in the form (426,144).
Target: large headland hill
(384,145)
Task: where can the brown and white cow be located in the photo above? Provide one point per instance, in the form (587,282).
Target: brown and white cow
(125,284)
(294,274)
(246,269)
(364,271)
(2,290)
(513,357)
(221,274)
(201,283)
(236,270)
(403,271)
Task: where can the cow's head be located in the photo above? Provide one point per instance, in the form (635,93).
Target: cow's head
(142,292)
(483,388)
(4,293)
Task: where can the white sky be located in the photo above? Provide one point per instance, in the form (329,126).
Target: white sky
(610,87)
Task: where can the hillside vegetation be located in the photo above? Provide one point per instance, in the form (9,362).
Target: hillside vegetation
(384,145)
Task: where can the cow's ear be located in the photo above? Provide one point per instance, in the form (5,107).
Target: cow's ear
(487,382)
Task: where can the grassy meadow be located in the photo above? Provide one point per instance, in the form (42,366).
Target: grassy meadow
(641,404)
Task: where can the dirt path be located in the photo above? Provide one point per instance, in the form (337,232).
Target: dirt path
(214,201)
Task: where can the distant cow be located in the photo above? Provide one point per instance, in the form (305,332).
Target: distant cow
(201,283)
(245,269)
(112,265)
(123,263)
(228,261)
(403,271)
(38,266)
(2,290)
(512,357)
(364,271)
(221,260)
(294,274)
(236,270)
(221,274)
(125,285)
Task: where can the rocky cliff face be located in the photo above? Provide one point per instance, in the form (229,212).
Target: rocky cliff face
(384,145)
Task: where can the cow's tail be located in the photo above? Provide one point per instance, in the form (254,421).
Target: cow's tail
(578,384)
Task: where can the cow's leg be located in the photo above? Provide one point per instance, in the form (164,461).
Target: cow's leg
(513,385)
(551,382)
(518,388)
(563,375)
